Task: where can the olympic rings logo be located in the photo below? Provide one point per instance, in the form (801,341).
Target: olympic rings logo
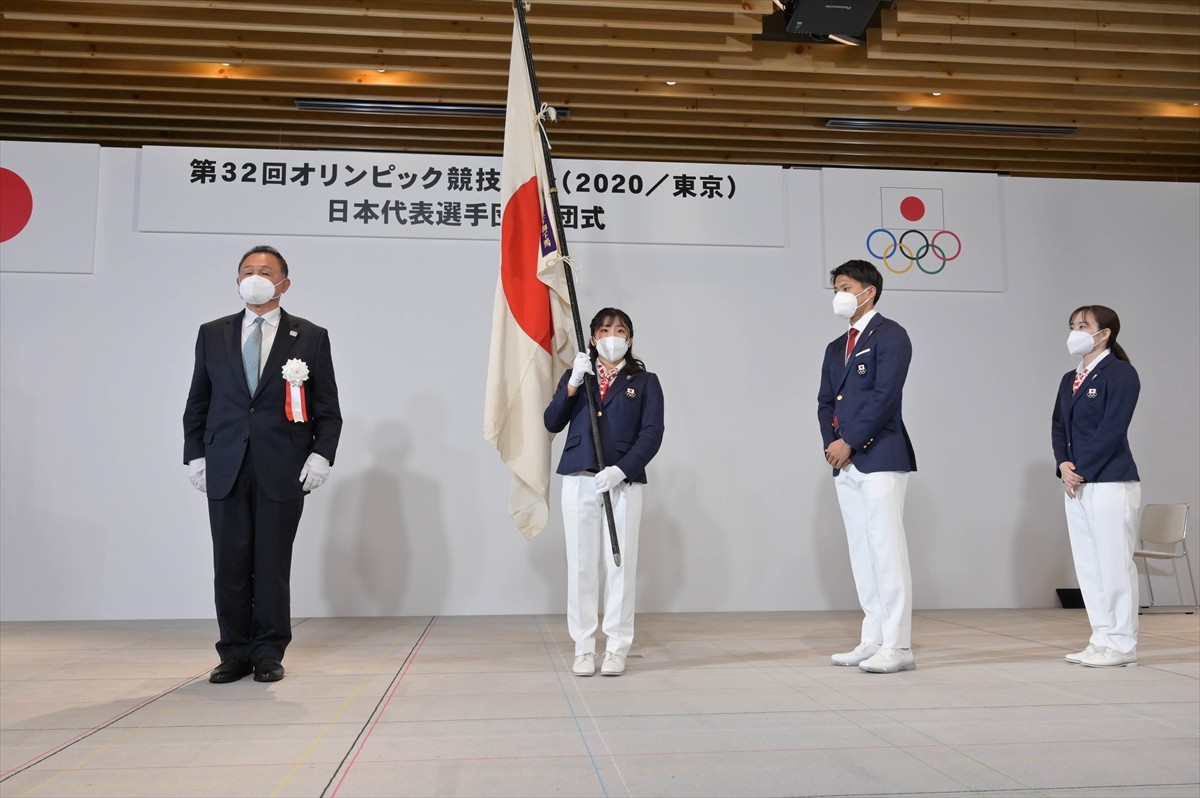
(914,256)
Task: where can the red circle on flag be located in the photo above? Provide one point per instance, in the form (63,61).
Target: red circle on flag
(16,204)
(912,208)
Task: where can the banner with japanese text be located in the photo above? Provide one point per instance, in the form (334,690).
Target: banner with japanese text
(405,195)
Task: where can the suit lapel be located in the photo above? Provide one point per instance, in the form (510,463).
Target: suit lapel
(861,343)
(1093,374)
(285,338)
(618,385)
(233,344)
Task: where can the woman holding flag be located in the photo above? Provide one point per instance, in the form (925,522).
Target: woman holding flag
(630,417)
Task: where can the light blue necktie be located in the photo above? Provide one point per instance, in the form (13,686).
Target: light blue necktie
(251,353)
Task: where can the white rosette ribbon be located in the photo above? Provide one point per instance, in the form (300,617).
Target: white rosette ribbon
(295,371)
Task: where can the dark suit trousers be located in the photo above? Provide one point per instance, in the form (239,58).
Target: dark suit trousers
(252,559)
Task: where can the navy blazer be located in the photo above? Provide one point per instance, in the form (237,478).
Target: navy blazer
(221,419)
(1090,428)
(631,425)
(865,394)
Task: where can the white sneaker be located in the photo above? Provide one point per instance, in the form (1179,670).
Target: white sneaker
(889,660)
(1078,656)
(1108,658)
(585,665)
(864,651)
(613,665)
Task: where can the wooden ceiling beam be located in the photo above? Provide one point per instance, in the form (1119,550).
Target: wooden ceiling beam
(1034,38)
(1125,74)
(314,32)
(66,88)
(1046,15)
(564,81)
(1047,57)
(734,133)
(790,66)
(233,124)
(1180,7)
(813,159)
(723,17)
(410,139)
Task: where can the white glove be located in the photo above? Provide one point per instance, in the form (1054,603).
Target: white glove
(581,366)
(315,472)
(197,474)
(609,478)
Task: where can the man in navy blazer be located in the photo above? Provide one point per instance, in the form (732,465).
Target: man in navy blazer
(257,443)
(866,443)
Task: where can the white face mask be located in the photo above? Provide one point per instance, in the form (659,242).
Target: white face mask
(612,348)
(257,290)
(1079,342)
(845,303)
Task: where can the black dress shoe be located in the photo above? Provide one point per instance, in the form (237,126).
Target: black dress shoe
(230,671)
(268,670)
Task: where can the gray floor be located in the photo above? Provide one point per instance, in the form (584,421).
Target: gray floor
(723,704)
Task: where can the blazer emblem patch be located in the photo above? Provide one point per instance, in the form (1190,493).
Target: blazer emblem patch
(630,392)
(862,369)
(1091,393)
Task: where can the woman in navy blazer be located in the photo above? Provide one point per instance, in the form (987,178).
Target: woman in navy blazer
(630,415)
(1090,435)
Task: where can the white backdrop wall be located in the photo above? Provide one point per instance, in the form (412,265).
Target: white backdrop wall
(98,520)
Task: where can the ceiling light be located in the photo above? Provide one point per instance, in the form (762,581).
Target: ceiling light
(381,71)
(934,93)
(947,127)
(401,107)
(670,83)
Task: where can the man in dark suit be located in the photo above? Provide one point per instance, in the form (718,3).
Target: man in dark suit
(257,443)
(859,410)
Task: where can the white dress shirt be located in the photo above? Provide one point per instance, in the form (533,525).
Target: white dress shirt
(269,327)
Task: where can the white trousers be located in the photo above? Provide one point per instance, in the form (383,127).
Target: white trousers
(1102,521)
(873,512)
(587,547)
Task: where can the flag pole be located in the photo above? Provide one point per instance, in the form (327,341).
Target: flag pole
(589,382)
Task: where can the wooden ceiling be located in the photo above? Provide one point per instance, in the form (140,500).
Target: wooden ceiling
(1124,73)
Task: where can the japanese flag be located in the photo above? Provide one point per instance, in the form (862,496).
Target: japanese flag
(48,198)
(912,209)
(531,339)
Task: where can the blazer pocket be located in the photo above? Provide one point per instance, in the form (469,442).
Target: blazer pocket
(572,442)
(623,446)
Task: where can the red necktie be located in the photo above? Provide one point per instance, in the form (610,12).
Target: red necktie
(850,342)
(1078,380)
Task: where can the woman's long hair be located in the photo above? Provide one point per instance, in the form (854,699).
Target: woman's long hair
(1106,319)
(608,316)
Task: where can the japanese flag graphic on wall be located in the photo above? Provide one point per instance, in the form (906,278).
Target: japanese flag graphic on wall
(48,199)
(924,231)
